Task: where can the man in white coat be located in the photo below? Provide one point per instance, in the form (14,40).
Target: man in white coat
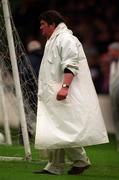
(68,114)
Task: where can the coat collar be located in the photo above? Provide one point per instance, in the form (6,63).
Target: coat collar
(60,29)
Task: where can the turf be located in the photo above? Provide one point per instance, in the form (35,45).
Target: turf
(104,158)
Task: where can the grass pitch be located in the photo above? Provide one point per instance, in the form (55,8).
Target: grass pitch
(104,158)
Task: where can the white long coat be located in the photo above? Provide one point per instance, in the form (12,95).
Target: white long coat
(77,120)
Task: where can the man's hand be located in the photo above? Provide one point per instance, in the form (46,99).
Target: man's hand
(62,94)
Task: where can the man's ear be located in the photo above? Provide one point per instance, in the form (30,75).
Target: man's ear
(54,25)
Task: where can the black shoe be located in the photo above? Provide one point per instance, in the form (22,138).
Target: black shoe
(43,172)
(77,170)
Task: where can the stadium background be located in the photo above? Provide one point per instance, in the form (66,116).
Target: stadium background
(96,24)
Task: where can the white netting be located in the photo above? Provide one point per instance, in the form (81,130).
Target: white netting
(27,76)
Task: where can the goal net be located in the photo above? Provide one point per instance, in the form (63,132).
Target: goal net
(28,83)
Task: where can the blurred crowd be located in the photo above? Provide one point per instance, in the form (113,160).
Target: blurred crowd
(95,23)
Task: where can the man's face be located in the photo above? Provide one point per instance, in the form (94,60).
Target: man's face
(113,53)
(46,29)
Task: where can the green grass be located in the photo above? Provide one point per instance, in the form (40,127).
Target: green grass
(104,158)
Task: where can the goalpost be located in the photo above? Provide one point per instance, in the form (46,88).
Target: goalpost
(14,63)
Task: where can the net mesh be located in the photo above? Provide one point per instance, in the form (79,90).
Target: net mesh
(28,80)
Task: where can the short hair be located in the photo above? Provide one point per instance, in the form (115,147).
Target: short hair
(33,45)
(52,16)
(114,46)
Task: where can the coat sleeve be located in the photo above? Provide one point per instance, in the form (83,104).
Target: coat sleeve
(69,48)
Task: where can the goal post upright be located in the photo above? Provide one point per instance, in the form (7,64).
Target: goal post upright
(16,79)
